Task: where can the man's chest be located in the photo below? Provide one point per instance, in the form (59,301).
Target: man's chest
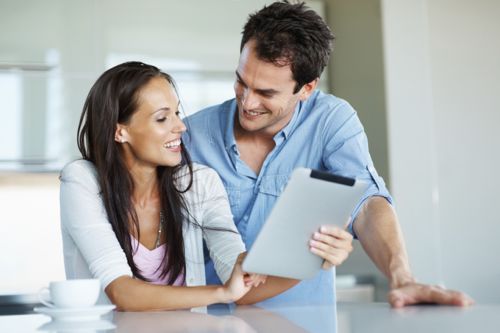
(254,154)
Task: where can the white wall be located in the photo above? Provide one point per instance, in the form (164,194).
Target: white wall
(465,54)
(31,244)
(357,74)
(443,97)
(51,52)
(72,42)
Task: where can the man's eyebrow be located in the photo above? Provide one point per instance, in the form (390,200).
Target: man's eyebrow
(239,78)
(266,92)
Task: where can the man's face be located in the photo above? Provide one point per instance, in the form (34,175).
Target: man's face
(264,93)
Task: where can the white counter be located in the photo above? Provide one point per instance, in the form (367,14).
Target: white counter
(349,317)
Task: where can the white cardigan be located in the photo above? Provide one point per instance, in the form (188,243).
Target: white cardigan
(91,249)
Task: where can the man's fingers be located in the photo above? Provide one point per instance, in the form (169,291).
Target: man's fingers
(398,299)
(331,244)
(254,280)
(439,295)
(331,248)
(330,259)
(419,293)
(335,232)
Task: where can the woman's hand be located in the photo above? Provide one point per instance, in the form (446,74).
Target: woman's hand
(239,283)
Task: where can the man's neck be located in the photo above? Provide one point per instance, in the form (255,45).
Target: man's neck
(253,147)
(240,134)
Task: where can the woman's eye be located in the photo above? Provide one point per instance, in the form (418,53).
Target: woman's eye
(160,120)
(177,113)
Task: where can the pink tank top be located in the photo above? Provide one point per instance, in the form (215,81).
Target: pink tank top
(148,262)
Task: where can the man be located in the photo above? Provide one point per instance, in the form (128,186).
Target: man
(279,121)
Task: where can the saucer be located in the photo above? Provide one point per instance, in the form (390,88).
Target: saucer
(77,326)
(75,314)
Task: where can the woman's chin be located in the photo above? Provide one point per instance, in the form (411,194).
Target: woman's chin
(171,162)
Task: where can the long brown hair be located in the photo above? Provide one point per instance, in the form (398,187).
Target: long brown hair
(113,99)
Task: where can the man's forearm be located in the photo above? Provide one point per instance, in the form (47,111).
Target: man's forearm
(273,286)
(378,230)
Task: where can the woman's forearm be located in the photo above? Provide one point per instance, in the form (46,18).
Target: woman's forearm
(130,294)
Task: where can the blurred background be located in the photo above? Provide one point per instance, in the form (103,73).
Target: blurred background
(424,76)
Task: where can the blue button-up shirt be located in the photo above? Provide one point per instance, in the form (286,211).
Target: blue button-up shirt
(324,133)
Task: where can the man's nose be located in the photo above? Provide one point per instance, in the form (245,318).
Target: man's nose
(250,100)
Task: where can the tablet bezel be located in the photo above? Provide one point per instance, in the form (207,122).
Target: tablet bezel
(282,246)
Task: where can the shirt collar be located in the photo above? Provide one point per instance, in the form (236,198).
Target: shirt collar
(288,129)
(229,139)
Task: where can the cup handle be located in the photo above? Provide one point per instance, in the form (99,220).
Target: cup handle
(42,297)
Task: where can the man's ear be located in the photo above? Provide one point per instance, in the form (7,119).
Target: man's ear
(307,89)
(121,134)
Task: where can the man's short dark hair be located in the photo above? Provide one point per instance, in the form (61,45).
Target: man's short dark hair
(291,34)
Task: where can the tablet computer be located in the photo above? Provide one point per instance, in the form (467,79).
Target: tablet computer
(311,198)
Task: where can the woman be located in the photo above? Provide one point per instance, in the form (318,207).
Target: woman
(135,211)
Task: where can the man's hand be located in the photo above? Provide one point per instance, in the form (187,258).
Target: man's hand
(254,280)
(331,243)
(416,293)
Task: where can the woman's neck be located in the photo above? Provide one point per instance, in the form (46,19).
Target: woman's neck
(145,186)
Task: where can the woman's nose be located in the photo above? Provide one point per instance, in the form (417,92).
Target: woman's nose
(179,127)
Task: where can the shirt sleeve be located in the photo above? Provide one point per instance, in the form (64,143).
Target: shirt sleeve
(346,153)
(223,240)
(84,218)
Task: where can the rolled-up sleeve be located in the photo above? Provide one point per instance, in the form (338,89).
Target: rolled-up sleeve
(85,225)
(346,153)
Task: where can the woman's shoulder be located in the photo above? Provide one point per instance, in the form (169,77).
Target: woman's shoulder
(202,174)
(205,182)
(78,170)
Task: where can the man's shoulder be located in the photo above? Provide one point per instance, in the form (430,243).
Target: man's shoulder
(210,113)
(329,114)
(326,103)
(207,126)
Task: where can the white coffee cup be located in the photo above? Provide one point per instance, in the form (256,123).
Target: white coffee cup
(80,293)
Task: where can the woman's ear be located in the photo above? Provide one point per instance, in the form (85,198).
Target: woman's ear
(308,89)
(121,134)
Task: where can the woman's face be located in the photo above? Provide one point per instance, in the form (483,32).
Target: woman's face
(152,137)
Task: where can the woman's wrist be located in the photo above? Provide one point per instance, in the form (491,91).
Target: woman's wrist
(223,295)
